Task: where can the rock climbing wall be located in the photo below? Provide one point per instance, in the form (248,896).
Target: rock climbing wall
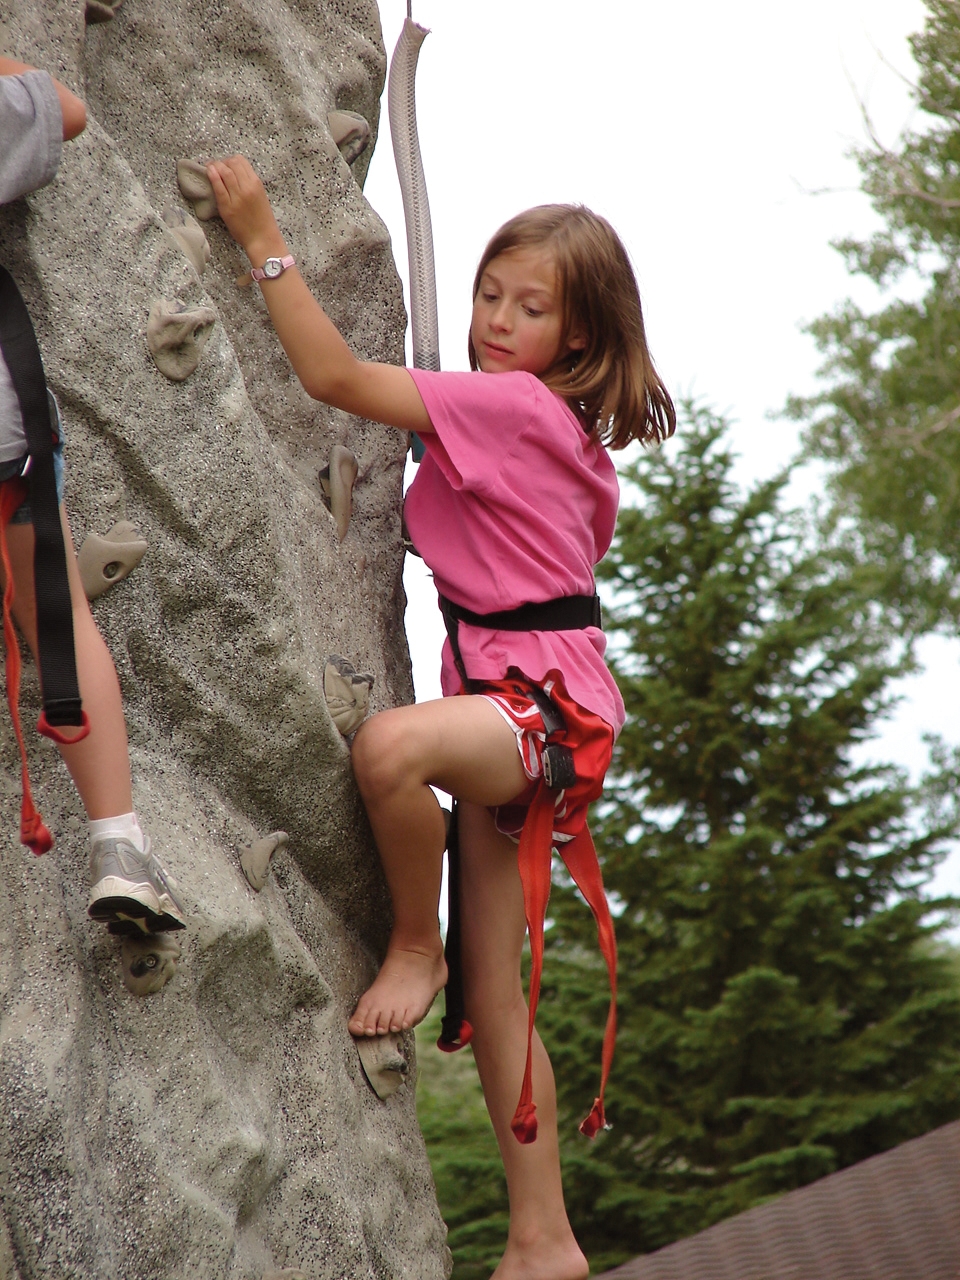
(221,1128)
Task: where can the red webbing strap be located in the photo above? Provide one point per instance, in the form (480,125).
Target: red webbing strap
(32,830)
(580,859)
(534,857)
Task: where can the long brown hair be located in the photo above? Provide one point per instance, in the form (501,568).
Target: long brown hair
(612,382)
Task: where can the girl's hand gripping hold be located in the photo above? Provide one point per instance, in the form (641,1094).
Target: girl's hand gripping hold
(245,209)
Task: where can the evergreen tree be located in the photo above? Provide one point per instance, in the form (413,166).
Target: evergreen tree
(888,419)
(784,1008)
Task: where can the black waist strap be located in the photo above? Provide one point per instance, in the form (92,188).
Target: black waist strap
(566,613)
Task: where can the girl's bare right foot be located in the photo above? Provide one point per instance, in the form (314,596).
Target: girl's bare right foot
(402,993)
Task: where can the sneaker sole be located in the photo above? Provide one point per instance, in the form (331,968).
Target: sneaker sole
(116,900)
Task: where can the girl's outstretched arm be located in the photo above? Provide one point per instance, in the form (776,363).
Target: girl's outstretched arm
(327,368)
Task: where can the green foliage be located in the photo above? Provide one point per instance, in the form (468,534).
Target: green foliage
(783,1012)
(889,418)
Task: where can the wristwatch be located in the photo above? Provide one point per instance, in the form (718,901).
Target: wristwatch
(272,268)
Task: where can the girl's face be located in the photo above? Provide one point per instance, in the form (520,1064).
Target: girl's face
(517,317)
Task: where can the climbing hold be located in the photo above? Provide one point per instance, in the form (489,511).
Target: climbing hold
(288,1273)
(101,10)
(104,561)
(189,235)
(148,961)
(255,859)
(383,1062)
(176,336)
(350,132)
(337,480)
(197,188)
(347,693)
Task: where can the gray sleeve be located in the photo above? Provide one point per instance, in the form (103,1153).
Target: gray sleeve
(31,133)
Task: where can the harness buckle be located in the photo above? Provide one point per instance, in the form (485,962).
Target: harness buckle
(558,769)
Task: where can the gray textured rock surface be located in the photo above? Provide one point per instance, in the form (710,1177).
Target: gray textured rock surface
(221,1129)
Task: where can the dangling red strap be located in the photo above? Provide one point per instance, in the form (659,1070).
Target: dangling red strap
(32,830)
(534,856)
(54,734)
(580,859)
(461,1037)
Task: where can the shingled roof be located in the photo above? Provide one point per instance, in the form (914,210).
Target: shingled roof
(895,1216)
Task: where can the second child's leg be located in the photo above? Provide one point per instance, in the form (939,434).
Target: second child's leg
(129,886)
(463,746)
(541,1244)
(99,764)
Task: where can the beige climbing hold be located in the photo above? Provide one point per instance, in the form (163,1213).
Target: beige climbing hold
(350,132)
(383,1062)
(189,235)
(105,561)
(177,335)
(255,859)
(148,961)
(337,480)
(288,1273)
(197,188)
(101,10)
(347,693)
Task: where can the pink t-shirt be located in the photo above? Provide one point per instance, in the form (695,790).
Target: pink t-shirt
(513,504)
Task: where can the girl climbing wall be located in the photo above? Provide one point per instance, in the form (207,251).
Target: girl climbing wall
(513,505)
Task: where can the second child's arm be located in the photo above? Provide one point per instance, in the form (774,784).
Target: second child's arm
(327,368)
(72,108)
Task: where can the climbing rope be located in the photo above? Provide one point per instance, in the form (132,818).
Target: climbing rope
(402,110)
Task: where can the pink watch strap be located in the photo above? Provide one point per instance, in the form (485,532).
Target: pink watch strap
(258,273)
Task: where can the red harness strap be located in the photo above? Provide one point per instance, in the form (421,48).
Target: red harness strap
(539,819)
(33,832)
(580,858)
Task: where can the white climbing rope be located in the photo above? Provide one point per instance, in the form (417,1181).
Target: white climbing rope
(402,109)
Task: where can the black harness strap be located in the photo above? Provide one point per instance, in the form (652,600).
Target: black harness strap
(566,613)
(455,1031)
(58,668)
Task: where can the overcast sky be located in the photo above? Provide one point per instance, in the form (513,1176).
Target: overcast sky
(716,139)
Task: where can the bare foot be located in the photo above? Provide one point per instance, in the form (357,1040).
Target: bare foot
(402,994)
(552,1261)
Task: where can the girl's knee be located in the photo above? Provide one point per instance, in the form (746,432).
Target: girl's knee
(383,755)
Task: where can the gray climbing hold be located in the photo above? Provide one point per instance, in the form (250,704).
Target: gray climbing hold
(101,10)
(189,235)
(105,561)
(337,480)
(197,188)
(177,335)
(383,1062)
(347,693)
(350,132)
(148,962)
(255,859)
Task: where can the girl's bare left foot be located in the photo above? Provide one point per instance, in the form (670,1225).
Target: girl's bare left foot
(402,994)
(549,1262)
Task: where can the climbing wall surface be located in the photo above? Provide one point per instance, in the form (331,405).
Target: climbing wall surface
(221,1128)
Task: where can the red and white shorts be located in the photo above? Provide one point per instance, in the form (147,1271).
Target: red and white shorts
(588,736)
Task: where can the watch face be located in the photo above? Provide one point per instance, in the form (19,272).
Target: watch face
(272,268)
